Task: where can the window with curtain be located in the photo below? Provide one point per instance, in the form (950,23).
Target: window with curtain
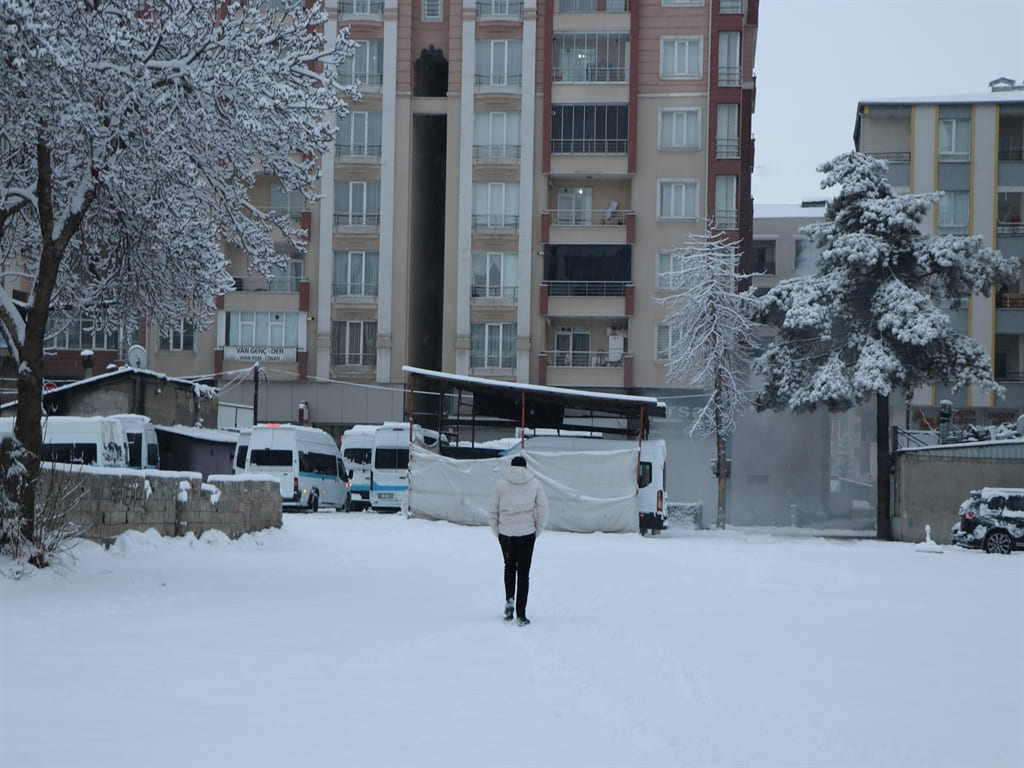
(499,62)
(954,212)
(670,264)
(262,329)
(666,337)
(180,339)
(285,279)
(681,57)
(356,273)
(729,72)
(359,135)
(677,199)
(726,214)
(354,342)
(955,139)
(496,134)
(727,131)
(495,275)
(496,204)
(492,345)
(680,129)
(365,65)
(575,206)
(356,203)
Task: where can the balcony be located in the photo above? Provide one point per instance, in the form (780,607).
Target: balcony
(726,218)
(356,223)
(573,218)
(583,369)
(496,223)
(354,293)
(587,298)
(365,360)
(499,9)
(499,81)
(495,295)
(589,146)
(349,152)
(361,7)
(727,149)
(590,73)
(497,154)
(1010,313)
(258,283)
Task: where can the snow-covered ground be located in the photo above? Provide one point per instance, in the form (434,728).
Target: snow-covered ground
(365,640)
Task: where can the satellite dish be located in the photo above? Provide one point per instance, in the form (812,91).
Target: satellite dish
(137,357)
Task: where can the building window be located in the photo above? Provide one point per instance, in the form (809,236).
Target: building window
(680,129)
(356,273)
(1011,136)
(496,205)
(361,7)
(727,131)
(677,199)
(680,57)
(1010,212)
(730,6)
(365,66)
(495,275)
(726,214)
(580,129)
(286,278)
(591,58)
(432,10)
(356,203)
(180,339)
(666,337)
(572,347)
(575,206)
(354,342)
(673,3)
(954,213)
(500,8)
(729,72)
(80,333)
(764,256)
(282,200)
(359,135)
(492,345)
(670,266)
(806,255)
(496,135)
(262,329)
(499,62)
(955,139)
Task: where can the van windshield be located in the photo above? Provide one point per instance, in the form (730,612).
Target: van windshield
(392,458)
(267,457)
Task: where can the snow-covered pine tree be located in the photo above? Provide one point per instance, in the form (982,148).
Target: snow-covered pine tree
(131,135)
(711,337)
(873,318)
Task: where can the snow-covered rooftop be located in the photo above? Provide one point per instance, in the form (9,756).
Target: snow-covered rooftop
(983,97)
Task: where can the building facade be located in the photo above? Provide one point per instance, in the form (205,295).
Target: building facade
(500,201)
(971,148)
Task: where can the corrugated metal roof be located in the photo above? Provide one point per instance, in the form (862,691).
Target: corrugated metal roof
(991,449)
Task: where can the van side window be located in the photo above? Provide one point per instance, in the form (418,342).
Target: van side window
(996,502)
(342,473)
(153,455)
(240,459)
(317,463)
(134,449)
(645,474)
(69,453)
(267,457)
(358,455)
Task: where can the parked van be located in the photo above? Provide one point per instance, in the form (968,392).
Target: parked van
(389,475)
(88,440)
(143,448)
(357,450)
(241,450)
(306,461)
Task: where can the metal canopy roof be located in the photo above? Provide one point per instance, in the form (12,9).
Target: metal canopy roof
(535,405)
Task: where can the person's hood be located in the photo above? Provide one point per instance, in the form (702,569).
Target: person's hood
(518,475)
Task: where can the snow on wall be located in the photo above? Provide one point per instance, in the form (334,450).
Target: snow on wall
(588,491)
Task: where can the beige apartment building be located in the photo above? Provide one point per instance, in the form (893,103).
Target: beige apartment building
(499,203)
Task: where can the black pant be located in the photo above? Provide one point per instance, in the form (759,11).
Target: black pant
(518,553)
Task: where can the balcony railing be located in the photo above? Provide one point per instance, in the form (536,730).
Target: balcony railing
(1010,300)
(730,6)
(590,74)
(357,219)
(1010,228)
(500,79)
(1011,154)
(561,217)
(892,157)
(496,152)
(728,76)
(726,218)
(366,79)
(591,6)
(365,359)
(477,360)
(499,8)
(357,150)
(505,292)
(280,284)
(953,229)
(586,359)
(589,146)
(361,7)
(586,288)
(727,149)
(355,290)
(496,221)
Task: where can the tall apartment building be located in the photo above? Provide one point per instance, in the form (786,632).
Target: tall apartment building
(972,149)
(500,202)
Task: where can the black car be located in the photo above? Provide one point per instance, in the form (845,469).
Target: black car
(992,519)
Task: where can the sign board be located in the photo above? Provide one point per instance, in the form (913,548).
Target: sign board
(260,354)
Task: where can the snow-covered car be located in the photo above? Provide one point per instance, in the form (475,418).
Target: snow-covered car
(992,519)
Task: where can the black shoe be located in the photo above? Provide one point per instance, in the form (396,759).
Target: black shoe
(523,621)
(510,608)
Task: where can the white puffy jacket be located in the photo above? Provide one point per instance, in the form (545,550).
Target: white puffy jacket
(518,505)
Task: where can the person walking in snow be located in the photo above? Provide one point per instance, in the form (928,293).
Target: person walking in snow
(518,513)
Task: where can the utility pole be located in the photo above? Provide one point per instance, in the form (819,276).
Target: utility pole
(255,394)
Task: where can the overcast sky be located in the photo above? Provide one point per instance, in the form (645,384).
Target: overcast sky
(816,59)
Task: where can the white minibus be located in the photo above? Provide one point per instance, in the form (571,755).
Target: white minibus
(389,475)
(143,448)
(306,462)
(357,449)
(96,440)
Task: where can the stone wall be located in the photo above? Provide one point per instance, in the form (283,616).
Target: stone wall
(108,502)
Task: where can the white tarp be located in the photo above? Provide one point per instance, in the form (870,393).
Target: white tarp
(588,491)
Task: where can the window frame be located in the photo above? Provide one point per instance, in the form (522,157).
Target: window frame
(682,184)
(662,277)
(342,354)
(481,282)
(428,6)
(505,341)
(952,154)
(663,351)
(367,258)
(675,41)
(675,112)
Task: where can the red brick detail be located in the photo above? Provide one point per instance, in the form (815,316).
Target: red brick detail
(218,361)
(627,371)
(545,227)
(630,291)
(542,301)
(631,228)
(304,295)
(302,358)
(306,221)
(542,369)
(219,301)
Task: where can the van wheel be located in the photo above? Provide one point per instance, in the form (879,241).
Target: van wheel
(314,501)
(998,542)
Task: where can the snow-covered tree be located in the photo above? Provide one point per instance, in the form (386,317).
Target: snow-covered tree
(711,337)
(131,135)
(874,317)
